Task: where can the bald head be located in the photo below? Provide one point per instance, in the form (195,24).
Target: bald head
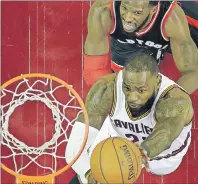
(142,62)
(143,3)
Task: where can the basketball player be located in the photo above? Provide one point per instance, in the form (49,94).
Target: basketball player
(141,105)
(133,25)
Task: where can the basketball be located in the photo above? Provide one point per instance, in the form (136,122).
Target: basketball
(116,160)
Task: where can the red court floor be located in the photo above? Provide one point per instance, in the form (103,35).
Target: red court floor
(48,37)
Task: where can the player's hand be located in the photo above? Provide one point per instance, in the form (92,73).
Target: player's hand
(91,180)
(145,158)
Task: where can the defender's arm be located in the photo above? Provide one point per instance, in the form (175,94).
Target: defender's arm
(185,52)
(96,59)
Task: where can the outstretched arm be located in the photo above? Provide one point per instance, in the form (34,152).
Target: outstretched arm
(98,105)
(172,113)
(185,52)
(96,59)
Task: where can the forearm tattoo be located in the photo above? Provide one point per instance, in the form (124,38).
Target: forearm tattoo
(98,103)
(170,118)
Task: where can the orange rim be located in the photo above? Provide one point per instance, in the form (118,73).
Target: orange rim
(80,101)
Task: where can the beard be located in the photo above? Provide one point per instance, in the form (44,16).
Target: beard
(136,112)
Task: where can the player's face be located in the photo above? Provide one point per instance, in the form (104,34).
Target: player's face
(134,14)
(138,87)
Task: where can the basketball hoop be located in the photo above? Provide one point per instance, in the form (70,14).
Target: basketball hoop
(31,93)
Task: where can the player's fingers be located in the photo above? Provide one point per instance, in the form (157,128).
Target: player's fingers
(146,165)
(91,180)
(143,152)
(145,158)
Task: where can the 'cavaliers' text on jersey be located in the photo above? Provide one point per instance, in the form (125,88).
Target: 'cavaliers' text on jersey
(137,129)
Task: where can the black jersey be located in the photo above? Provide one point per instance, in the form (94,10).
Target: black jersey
(151,38)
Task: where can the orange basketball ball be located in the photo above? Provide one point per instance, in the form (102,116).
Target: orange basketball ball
(116,160)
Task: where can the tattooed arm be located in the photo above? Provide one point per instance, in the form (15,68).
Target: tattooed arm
(98,104)
(185,52)
(99,101)
(173,112)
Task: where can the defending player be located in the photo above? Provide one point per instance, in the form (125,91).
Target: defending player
(142,105)
(133,25)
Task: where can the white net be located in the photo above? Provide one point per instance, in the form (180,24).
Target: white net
(31,92)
